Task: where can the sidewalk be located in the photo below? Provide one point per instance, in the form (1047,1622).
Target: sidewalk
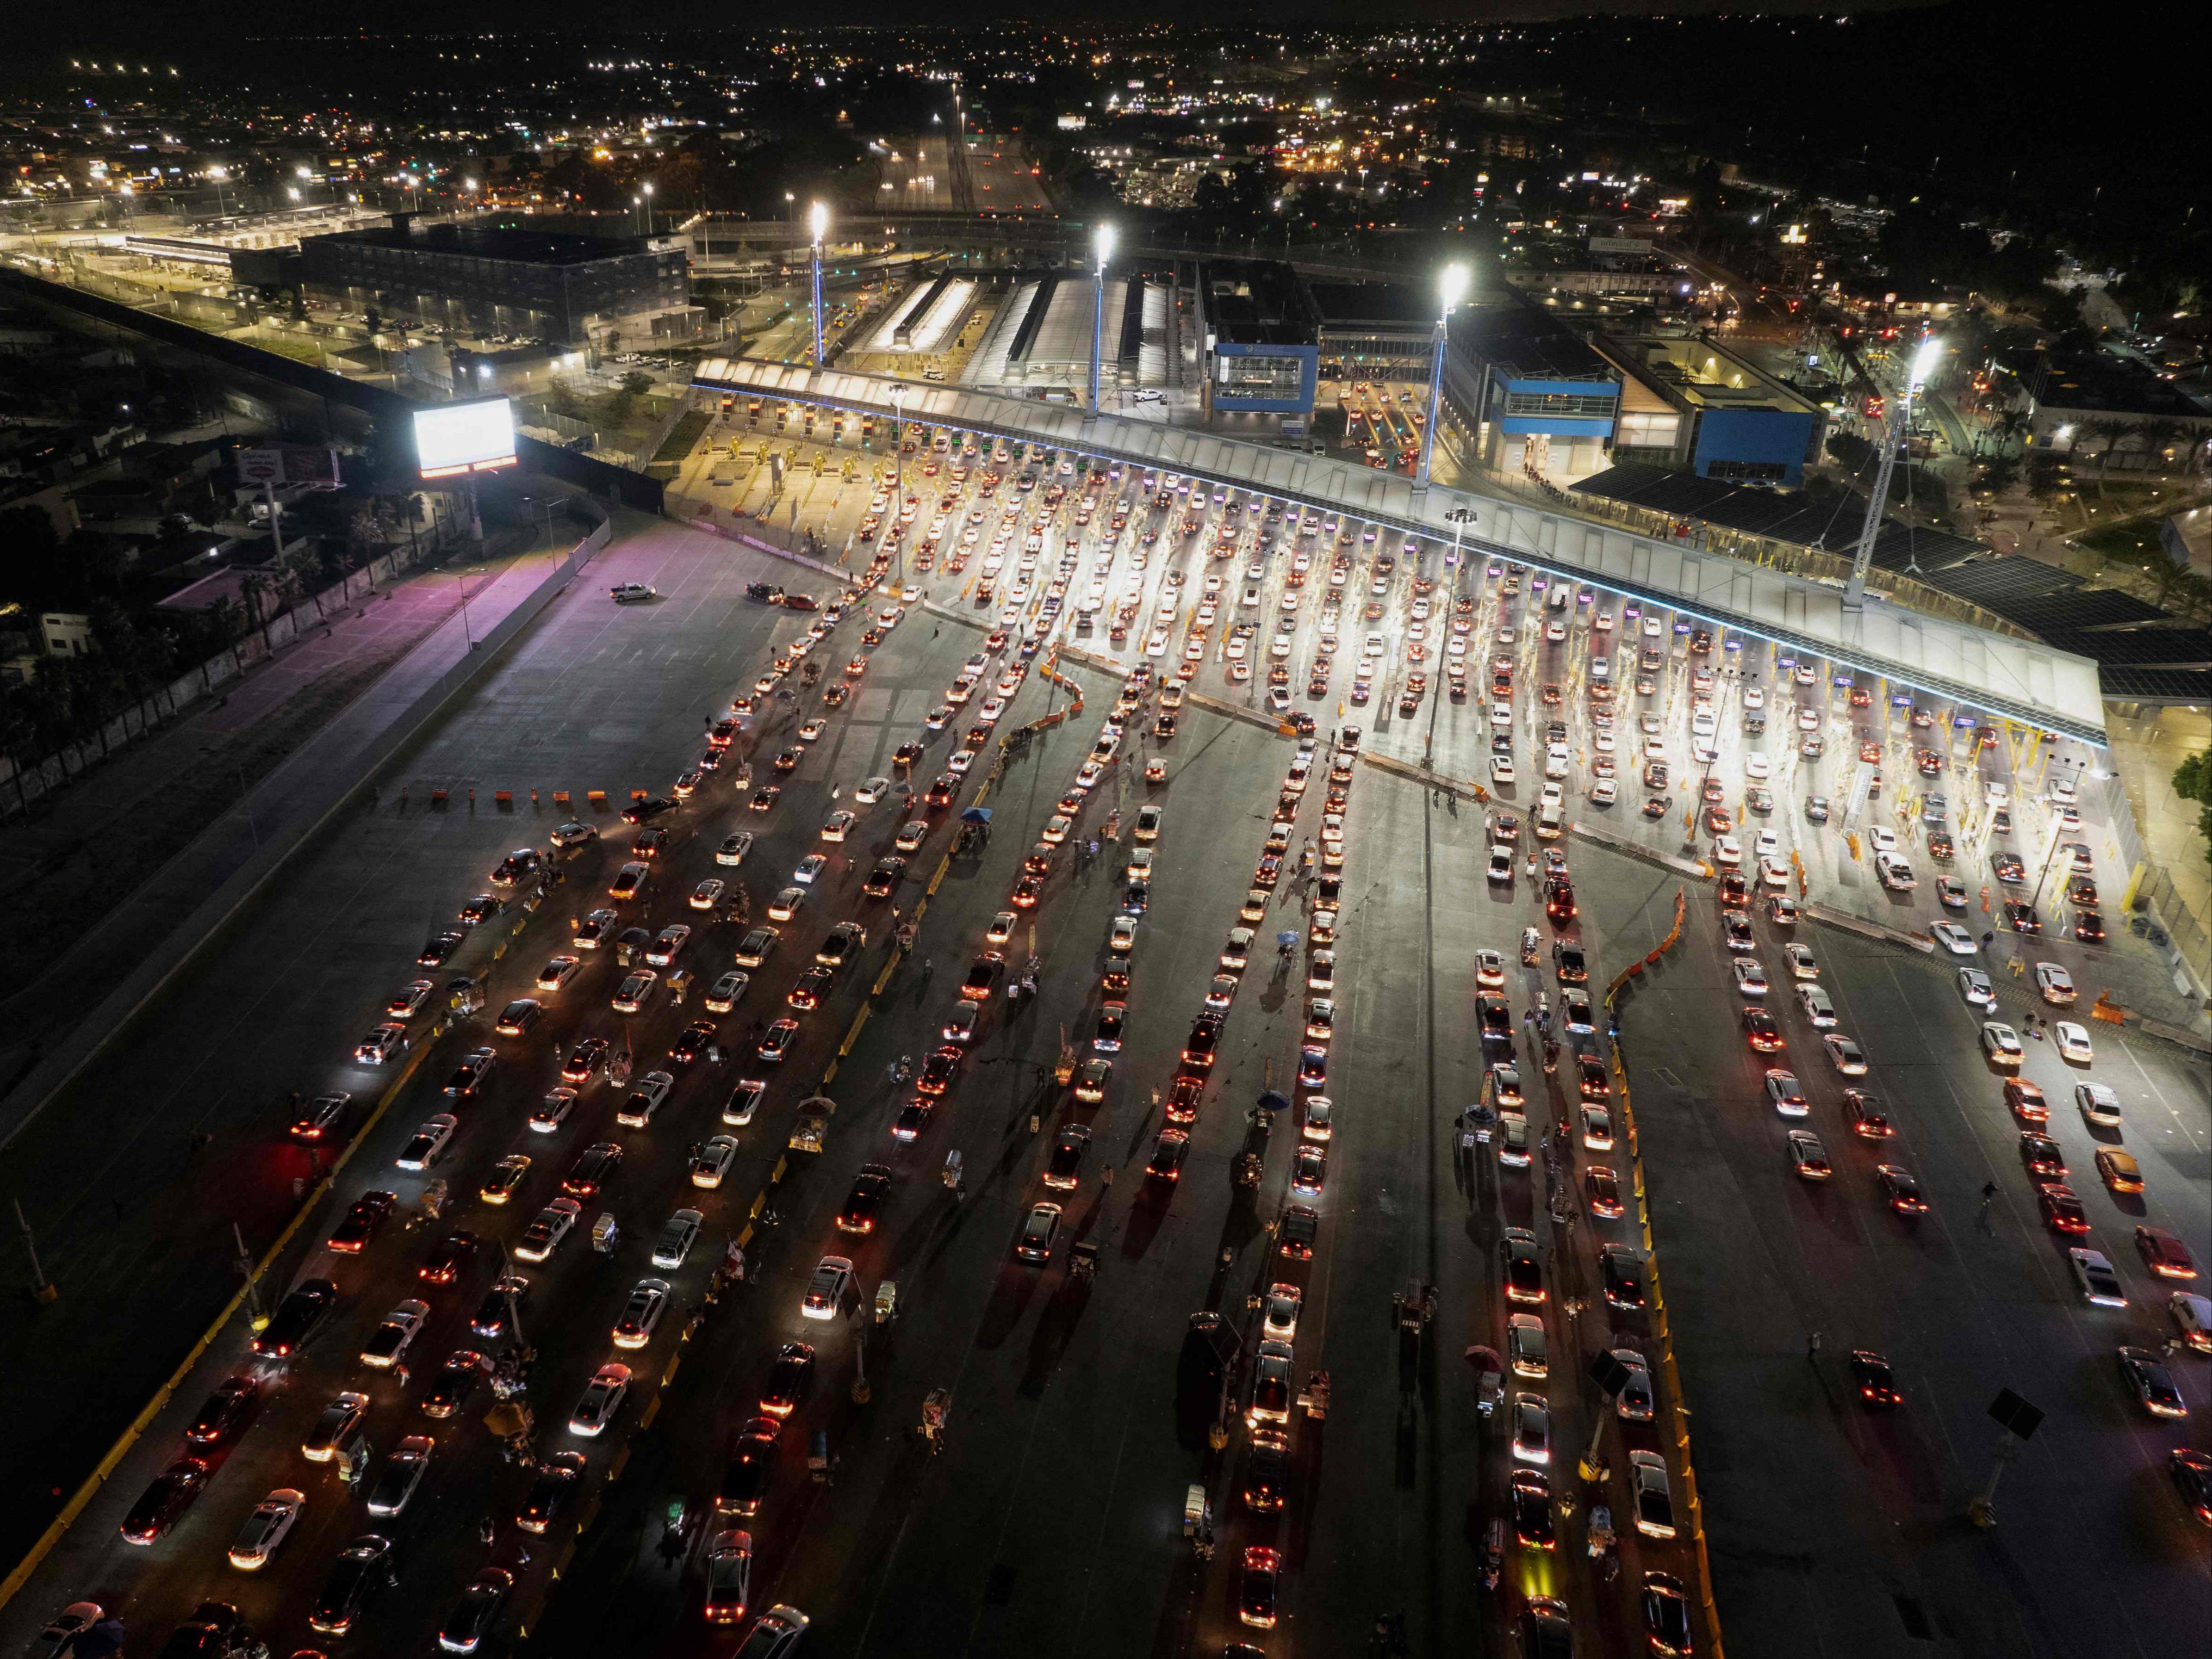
(83,1001)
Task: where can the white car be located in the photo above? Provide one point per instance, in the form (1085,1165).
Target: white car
(1774,872)
(734,848)
(2099,1104)
(602,1399)
(265,1529)
(722,995)
(1818,1008)
(872,790)
(1894,872)
(1750,976)
(2000,1042)
(1953,938)
(1782,1089)
(825,1292)
(1121,936)
(1974,986)
(705,896)
(553,1110)
(428,1144)
(1882,838)
(2073,1041)
(1726,850)
(556,974)
(1845,1055)
(1501,768)
(1803,965)
(1756,765)
(1501,864)
(2055,984)
(2094,1275)
(838,825)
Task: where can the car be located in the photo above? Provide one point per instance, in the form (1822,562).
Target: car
(1845,1055)
(1653,1499)
(710,1160)
(2166,1256)
(401,1477)
(455,1382)
(642,1313)
(1597,1126)
(1784,1091)
(2191,1474)
(826,1290)
(475,1613)
(1521,1266)
(265,1529)
(2150,1382)
(728,1566)
(601,1400)
(1040,1227)
(560,1475)
(1532,1429)
(2073,1042)
(547,1229)
(339,1421)
(1121,935)
(382,1043)
(1807,1156)
(1531,1501)
(2000,1043)
(1761,1030)
(1257,1587)
(1735,932)
(362,1568)
(1622,1272)
(1900,1190)
(2054,984)
(1280,1309)
(776,1634)
(468,1077)
(497,1312)
(395,1333)
(298,1317)
(2093,1276)
(361,1222)
(1953,938)
(1750,975)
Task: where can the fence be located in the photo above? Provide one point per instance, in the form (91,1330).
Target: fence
(20,786)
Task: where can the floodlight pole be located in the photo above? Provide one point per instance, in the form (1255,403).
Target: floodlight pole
(1893,432)
(1454,284)
(1105,248)
(818,222)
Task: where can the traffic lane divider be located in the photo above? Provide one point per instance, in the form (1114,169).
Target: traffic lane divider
(107,1467)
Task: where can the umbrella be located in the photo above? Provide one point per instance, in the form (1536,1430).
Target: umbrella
(1287,936)
(1273,1100)
(977,816)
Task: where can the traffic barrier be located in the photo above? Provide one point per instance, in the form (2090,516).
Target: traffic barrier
(560,797)
(504,799)
(598,798)
(437,797)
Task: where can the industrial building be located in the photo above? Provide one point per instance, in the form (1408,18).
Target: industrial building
(1529,388)
(566,289)
(1693,404)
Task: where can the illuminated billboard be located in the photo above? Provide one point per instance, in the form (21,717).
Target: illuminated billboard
(465,438)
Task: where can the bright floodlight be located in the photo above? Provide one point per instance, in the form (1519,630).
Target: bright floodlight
(1453,283)
(817,219)
(1924,360)
(1105,245)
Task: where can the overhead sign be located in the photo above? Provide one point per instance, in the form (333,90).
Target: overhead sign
(455,439)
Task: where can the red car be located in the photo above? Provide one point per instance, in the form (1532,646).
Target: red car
(2164,1254)
(2062,1209)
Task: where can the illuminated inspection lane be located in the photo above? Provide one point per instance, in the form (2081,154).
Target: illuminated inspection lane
(2018,679)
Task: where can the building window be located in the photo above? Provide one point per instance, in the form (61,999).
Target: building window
(1261,377)
(1750,472)
(1649,431)
(1530,402)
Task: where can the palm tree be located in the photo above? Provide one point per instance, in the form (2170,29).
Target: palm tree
(252,586)
(2111,430)
(2159,436)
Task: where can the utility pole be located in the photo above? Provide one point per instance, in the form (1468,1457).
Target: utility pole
(42,1288)
(253,1308)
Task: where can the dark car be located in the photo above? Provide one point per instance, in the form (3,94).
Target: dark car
(224,1412)
(1205,1037)
(1256,1587)
(448,1257)
(1184,1095)
(559,1478)
(2022,916)
(322,1117)
(883,880)
(983,973)
(368,1213)
(1573,968)
(870,1188)
(1064,1168)
(167,1496)
(789,1376)
(913,1118)
(594,1167)
(692,1044)
(495,1313)
(939,1069)
(1624,1277)
(455,1384)
(297,1318)
(1871,1375)
(752,1463)
(1168,1152)
(1267,1472)
(1543,1631)
(1496,1017)
(1560,899)
(215,1630)
(476,1613)
(1666,1615)
(2088,926)
(1532,1511)
(364,1567)
(1869,1118)
(645,811)
(1761,1031)
(441,946)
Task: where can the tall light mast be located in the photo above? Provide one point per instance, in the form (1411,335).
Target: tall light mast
(1893,431)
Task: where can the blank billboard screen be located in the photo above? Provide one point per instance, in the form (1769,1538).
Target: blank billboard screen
(457,437)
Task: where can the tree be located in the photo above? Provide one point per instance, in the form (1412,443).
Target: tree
(2110,429)
(2192,781)
(636,383)
(2159,436)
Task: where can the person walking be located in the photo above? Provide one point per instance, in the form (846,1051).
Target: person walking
(1989,1198)
(1813,1347)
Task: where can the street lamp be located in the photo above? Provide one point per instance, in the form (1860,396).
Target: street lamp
(818,222)
(1452,286)
(1924,359)
(219,174)
(1105,247)
(648,210)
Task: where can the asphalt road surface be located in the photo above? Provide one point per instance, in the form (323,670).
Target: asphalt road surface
(1057,1501)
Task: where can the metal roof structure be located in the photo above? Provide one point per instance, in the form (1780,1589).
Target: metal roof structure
(2021,679)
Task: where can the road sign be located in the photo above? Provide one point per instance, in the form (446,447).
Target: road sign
(2017,1417)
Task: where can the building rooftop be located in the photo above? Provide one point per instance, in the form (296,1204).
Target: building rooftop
(530,247)
(1257,302)
(2093,380)
(1372,305)
(1525,342)
(1703,374)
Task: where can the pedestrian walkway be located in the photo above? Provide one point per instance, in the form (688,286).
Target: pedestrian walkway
(81,1001)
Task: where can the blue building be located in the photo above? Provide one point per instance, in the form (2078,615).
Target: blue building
(1693,404)
(1526,391)
(1262,341)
